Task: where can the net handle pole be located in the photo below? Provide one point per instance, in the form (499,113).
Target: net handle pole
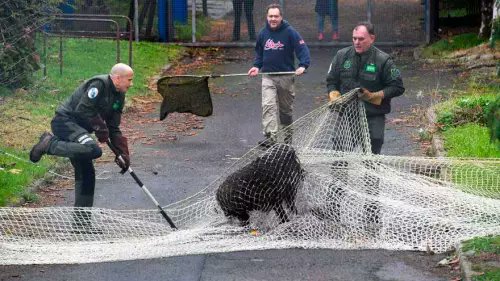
(143,187)
(235,74)
(260,73)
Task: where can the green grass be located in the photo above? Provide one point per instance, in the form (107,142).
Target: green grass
(26,114)
(83,58)
(492,274)
(488,244)
(470,140)
(16,174)
(446,46)
(183,32)
(453,13)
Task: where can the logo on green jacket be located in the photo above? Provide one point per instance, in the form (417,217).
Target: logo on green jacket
(117,105)
(395,73)
(347,64)
(372,68)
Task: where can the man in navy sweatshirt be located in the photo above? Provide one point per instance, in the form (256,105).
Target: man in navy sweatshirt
(277,43)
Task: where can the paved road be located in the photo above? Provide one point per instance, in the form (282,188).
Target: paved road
(190,163)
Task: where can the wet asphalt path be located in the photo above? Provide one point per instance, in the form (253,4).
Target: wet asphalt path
(187,165)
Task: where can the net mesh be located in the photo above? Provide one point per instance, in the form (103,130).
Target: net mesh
(318,187)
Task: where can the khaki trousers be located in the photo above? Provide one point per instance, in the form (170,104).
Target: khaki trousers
(278,93)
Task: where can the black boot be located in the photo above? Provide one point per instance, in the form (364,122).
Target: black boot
(82,223)
(41,147)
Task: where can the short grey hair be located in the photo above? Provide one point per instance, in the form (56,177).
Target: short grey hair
(369,26)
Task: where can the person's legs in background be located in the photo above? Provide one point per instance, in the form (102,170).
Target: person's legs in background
(321,26)
(237,7)
(334,18)
(249,16)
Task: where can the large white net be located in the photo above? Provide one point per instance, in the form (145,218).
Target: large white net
(318,187)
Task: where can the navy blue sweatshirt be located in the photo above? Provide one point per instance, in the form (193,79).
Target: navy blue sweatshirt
(274,50)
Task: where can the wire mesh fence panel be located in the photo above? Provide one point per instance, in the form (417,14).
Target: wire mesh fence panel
(396,21)
(61,55)
(19,22)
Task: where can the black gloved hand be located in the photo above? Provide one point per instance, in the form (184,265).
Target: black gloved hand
(123,161)
(120,143)
(100,129)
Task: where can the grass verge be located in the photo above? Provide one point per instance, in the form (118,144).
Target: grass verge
(463,123)
(445,46)
(470,140)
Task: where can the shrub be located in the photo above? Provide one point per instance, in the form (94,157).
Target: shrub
(467,109)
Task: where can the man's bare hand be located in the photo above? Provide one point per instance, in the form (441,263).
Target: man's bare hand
(254,71)
(300,71)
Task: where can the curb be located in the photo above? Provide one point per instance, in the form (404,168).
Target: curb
(436,142)
(438,151)
(465,266)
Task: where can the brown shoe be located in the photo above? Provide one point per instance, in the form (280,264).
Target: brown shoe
(41,147)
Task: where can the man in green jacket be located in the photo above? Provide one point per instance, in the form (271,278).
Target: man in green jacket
(94,107)
(364,66)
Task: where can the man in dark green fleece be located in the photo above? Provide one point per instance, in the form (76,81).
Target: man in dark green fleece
(94,107)
(364,66)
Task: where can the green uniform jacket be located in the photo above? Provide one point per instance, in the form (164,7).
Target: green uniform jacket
(373,70)
(95,97)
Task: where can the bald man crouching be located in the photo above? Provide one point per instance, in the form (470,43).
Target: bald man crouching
(94,107)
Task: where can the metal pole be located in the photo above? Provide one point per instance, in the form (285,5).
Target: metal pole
(143,187)
(427,21)
(369,11)
(193,20)
(44,54)
(205,8)
(136,20)
(60,55)
(170,21)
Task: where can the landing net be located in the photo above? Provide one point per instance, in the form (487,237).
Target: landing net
(318,187)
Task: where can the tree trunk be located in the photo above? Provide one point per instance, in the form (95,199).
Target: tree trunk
(486,16)
(495,26)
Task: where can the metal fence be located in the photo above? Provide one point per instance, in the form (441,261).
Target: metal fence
(396,21)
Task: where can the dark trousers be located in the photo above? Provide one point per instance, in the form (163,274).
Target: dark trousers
(74,142)
(238,6)
(376,126)
(370,180)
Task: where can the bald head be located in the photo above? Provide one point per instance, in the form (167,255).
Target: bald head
(122,76)
(121,69)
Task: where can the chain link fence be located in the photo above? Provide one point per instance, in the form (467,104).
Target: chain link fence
(396,21)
